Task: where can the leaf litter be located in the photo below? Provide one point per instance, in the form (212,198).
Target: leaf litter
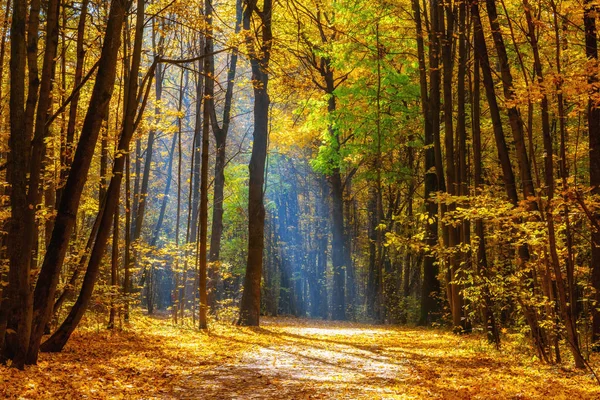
(288,358)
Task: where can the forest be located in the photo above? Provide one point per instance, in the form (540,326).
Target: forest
(289,199)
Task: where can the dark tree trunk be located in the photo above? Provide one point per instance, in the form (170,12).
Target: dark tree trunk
(220,135)
(503,155)
(250,303)
(461,159)
(593,120)
(38,144)
(568,318)
(434,179)
(338,296)
(143,193)
(514,118)
(488,84)
(19,279)
(338,259)
(350,228)
(165,197)
(114,270)
(67,211)
(322,246)
(127,256)
(480,253)
(209,93)
(373,306)
(447,34)
(117,13)
(67,153)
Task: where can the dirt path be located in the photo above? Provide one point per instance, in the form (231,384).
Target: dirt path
(311,361)
(300,359)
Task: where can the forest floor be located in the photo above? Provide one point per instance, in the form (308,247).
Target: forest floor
(289,359)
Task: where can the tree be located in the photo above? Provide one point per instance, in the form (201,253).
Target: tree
(110,202)
(220,133)
(593,121)
(259,55)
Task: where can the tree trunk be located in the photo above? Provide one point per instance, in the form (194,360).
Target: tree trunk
(338,301)
(503,156)
(488,84)
(434,178)
(117,13)
(67,154)
(447,33)
(259,60)
(127,257)
(563,305)
(143,194)
(114,270)
(208,94)
(593,120)
(461,159)
(480,254)
(373,306)
(220,135)
(514,118)
(67,211)
(19,279)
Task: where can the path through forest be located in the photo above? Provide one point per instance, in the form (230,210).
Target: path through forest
(289,359)
(311,360)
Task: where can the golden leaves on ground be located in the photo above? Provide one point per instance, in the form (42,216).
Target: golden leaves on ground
(289,359)
(148,360)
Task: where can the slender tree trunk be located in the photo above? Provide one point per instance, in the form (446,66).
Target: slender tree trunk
(208,94)
(127,257)
(516,124)
(488,84)
(117,13)
(33,23)
(322,246)
(350,224)
(114,270)
(65,219)
(481,253)
(165,197)
(67,154)
(434,181)
(39,143)
(338,298)
(373,309)
(503,155)
(337,243)
(461,158)
(194,197)
(447,34)
(220,135)
(564,170)
(563,305)
(143,193)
